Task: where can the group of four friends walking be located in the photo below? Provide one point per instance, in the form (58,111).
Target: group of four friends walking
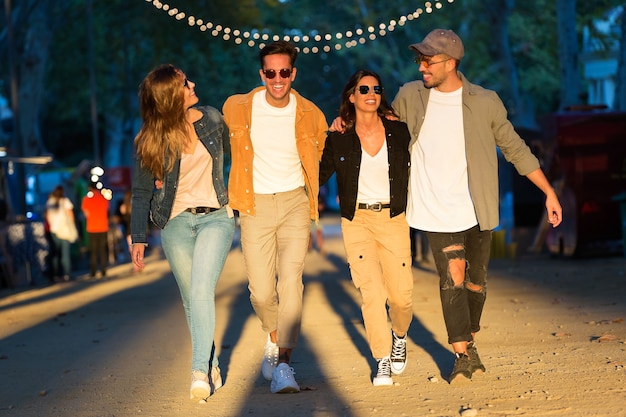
(428,161)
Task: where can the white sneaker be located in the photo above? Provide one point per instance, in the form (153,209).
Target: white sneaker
(215,379)
(200,389)
(383,375)
(270,359)
(398,354)
(283,380)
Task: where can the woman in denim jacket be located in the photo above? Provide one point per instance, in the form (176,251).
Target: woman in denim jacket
(181,148)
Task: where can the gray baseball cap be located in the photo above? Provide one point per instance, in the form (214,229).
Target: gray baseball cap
(440,41)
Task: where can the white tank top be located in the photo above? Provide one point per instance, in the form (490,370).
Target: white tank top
(374,177)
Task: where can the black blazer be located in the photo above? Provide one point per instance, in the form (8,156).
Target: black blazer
(342,154)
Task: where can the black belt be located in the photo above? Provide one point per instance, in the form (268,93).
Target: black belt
(373,206)
(201,210)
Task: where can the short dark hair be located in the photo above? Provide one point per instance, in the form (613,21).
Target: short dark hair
(279,47)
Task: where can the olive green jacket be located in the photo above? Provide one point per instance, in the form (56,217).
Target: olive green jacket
(486,127)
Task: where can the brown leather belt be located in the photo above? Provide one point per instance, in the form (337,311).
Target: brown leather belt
(201,210)
(373,206)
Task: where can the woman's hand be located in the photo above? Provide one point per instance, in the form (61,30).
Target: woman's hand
(137,252)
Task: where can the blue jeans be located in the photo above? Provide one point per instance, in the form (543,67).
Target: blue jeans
(463,303)
(61,257)
(196,247)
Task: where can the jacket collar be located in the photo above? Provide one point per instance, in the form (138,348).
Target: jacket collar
(301,103)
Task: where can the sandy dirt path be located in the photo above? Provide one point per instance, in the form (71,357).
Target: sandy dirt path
(553,342)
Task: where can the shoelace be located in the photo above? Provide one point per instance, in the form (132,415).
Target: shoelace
(284,373)
(398,349)
(384,367)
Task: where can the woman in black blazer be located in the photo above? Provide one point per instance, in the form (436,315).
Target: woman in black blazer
(371,160)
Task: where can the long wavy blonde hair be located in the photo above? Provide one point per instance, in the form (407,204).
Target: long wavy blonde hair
(163,133)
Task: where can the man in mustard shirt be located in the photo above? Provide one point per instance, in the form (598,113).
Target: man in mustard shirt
(277,138)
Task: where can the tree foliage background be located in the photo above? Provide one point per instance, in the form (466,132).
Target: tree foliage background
(511,47)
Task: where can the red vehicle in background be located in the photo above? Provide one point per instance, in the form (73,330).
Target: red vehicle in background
(589,164)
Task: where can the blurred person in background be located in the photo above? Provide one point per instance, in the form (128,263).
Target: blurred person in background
(60,217)
(95,207)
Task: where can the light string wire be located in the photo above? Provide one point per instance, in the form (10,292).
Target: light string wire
(311,43)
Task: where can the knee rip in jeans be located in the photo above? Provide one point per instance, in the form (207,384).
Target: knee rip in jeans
(456,266)
(474,287)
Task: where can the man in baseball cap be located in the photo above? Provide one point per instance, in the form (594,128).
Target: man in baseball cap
(440,41)
(453,182)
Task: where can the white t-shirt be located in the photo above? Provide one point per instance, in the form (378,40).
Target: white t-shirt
(195,182)
(56,212)
(374,177)
(276,167)
(439,197)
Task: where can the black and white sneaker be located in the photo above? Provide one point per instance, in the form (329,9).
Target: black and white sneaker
(398,354)
(383,374)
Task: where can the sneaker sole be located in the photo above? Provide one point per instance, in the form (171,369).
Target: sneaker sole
(478,371)
(382,382)
(287,390)
(460,379)
(199,393)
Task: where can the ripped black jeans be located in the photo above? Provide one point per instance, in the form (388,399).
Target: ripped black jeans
(461,259)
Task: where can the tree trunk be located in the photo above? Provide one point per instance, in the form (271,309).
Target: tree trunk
(620,91)
(568,53)
(31,69)
(521,112)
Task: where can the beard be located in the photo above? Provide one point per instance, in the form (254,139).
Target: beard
(432,83)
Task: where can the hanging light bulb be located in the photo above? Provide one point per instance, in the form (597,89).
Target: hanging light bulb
(316,38)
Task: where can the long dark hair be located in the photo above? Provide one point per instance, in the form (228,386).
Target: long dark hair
(347,111)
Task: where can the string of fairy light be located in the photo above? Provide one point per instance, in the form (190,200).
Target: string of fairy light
(312,43)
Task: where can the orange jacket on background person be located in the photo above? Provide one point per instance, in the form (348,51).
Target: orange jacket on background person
(96,210)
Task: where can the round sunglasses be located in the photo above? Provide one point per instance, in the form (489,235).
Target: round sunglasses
(284,73)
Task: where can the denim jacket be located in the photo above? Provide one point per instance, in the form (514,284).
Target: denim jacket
(342,154)
(147,200)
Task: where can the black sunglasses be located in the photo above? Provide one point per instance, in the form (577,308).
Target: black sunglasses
(284,73)
(364,89)
(186,83)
